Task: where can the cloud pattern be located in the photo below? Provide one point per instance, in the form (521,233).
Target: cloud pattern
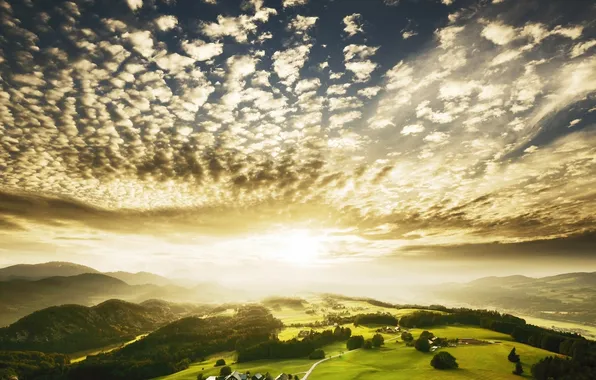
(482,131)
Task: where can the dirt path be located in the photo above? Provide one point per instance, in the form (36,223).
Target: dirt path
(312,368)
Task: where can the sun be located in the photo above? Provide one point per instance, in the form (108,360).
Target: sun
(300,247)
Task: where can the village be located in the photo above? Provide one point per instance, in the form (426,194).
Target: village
(247,376)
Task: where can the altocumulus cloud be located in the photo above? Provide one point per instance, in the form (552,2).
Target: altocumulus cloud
(229,123)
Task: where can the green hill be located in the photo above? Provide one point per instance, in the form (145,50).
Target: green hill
(174,346)
(71,328)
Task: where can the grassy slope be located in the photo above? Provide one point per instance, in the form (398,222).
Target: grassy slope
(401,362)
(272,366)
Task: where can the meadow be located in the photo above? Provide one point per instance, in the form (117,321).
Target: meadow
(396,361)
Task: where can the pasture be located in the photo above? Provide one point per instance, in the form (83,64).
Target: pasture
(396,361)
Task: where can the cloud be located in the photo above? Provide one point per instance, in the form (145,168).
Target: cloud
(356,61)
(582,48)
(353,24)
(113,129)
(239,27)
(408,34)
(287,63)
(413,129)
(302,24)
(499,33)
(166,22)
(142,41)
(134,4)
(202,51)
(294,3)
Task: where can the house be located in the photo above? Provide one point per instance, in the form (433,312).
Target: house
(282,376)
(212,378)
(303,334)
(434,348)
(257,376)
(236,376)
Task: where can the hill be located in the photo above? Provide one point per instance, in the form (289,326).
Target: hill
(172,347)
(569,296)
(139,278)
(65,269)
(71,328)
(44,270)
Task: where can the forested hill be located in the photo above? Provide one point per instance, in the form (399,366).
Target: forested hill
(72,328)
(174,346)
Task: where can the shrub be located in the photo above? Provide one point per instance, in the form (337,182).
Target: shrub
(220,362)
(407,337)
(444,360)
(367,344)
(317,354)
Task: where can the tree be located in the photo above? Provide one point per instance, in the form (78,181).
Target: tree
(378,340)
(356,341)
(518,369)
(220,362)
(367,344)
(407,337)
(317,354)
(422,344)
(444,360)
(225,371)
(513,357)
(427,334)
(200,376)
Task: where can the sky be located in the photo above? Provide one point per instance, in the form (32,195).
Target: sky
(300,140)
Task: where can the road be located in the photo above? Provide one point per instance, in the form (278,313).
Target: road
(312,368)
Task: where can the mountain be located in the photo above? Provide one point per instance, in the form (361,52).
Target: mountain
(21,297)
(72,328)
(500,281)
(568,296)
(65,269)
(39,271)
(139,278)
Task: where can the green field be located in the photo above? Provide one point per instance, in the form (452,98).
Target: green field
(274,367)
(397,361)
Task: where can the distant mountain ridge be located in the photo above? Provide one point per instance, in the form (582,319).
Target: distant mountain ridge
(567,296)
(67,269)
(43,270)
(22,292)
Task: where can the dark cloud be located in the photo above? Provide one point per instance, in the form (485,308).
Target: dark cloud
(574,246)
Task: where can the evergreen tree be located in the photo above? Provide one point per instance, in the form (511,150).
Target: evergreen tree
(518,369)
(513,357)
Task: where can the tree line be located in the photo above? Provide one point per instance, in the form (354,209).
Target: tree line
(295,348)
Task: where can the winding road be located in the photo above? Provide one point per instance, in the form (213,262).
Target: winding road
(307,373)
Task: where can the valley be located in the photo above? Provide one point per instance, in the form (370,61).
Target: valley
(165,340)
